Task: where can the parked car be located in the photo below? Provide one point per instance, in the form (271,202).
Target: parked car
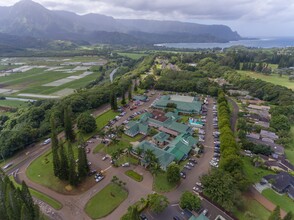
(92,172)
(104,158)
(125,164)
(183,175)
(143,217)
(190,164)
(187,167)
(205,211)
(192,161)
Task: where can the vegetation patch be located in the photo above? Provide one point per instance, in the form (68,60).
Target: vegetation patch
(38,195)
(281,200)
(161,184)
(98,148)
(105,201)
(290,150)
(13,103)
(127,158)
(102,120)
(115,146)
(254,174)
(134,56)
(251,209)
(134,175)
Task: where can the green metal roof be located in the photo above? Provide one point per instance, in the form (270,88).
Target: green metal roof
(179,127)
(140,98)
(181,145)
(173,115)
(161,137)
(200,217)
(136,127)
(182,106)
(165,158)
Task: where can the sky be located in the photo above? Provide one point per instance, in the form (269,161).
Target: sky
(250,18)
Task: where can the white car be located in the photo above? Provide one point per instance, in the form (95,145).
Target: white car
(125,164)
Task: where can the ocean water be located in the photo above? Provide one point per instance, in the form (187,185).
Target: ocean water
(259,43)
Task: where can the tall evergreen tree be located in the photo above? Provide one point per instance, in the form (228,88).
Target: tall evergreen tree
(123,98)
(69,133)
(130,96)
(64,170)
(83,166)
(28,200)
(54,146)
(289,216)
(276,214)
(72,175)
(25,213)
(114,102)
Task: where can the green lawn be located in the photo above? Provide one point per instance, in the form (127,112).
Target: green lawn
(254,174)
(290,151)
(47,199)
(126,158)
(13,103)
(105,201)
(41,171)
(115,146)
(134,56)
(282,200)
(103,119)
(98,148)
(273,78)
(132,139)
(253,207)
(160,183)
(134,175)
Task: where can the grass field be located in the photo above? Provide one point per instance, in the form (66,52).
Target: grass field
(13,103)
(41,171)
(273,78)
(105,201)
(132,139)
(160,183)
(98,148)
(102,120)
(116,146)
(47,199)
(253,207)
(254,174)
(134,175)
(126,158)
(290,151)
(282,200)
(134,56)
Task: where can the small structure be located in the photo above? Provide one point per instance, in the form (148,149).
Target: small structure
(136,127)
(269,135)
(282,182)
(259,107)
(200,217)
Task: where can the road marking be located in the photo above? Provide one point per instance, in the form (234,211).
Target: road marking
(106,169)
(174,205)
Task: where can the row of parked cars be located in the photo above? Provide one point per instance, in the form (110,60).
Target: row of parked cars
(216,157)
(190,164)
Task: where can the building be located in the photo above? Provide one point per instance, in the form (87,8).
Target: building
(164,157)
(269,135)
(183,104)
(136,127)
(200,217)
(141,98)
(161,139)
(282,182)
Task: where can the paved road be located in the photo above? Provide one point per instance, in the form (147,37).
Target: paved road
(112,74)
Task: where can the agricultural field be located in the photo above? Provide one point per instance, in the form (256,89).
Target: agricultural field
(47,77)
(273,78)
(134,56)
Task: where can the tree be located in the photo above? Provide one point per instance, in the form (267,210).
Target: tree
(86,123)
(276,214)
(190,201)
(157,202)
(123,98)
(64,169)
(69,133)
(113,101)
(28,201)
(280,122)
(54,146)
(173,173)
(83,166)
(130,97)
(221,188)
(132,214)
(72,175)
(289,216)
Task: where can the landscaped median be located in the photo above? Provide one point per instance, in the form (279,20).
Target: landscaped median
(106,201)
(134,175)
(38,195)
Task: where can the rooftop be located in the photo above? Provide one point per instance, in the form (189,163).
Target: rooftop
(281,181)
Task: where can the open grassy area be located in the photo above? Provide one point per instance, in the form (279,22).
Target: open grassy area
(253,207)
(115,146)
(127,158)
(254,174)
(98,148)
(132,139)
(160,183)
(13,103)
(134,175)
(134,56)
(103,119)
(41,171)
(290,150)
(282,200)
(273,78)
(105,201)
(47,199)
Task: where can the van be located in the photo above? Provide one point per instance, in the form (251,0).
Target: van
(47,141)
(7,166)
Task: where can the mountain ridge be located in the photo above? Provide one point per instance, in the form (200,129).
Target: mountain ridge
(30,19)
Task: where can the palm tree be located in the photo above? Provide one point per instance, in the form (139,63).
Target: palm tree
(130,148)
(139,151)
(155,168)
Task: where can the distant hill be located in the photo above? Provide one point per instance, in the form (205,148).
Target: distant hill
(29,19)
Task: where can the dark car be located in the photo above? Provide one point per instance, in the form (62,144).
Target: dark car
(176,218)
(92,172)
(143,217)
(183,175)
